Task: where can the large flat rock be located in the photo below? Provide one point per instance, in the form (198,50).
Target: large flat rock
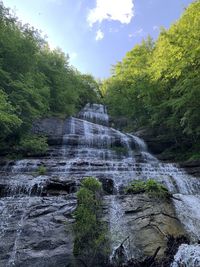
(38,231)
(146,222)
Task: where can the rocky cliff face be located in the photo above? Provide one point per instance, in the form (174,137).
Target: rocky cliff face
(36,211)
(159,147)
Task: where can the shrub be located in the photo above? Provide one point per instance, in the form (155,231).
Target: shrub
(90,243)
(151,187)
(135,187)
(33,145)
(195,156)
(156,189)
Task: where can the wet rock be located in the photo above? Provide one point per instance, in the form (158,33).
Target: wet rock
(48,126)
(156,144)
(108,185)
(45,229)
(59,187)
(192,167)
(187,255)
(147,223)
(36,211)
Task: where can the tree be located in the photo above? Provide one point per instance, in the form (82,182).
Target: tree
(34,80)
(156,85)
(9,122)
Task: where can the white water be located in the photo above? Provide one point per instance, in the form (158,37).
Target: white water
(188,210)
(14,206)
(119,230)
(24,203)
(91,148)
(187,256)
(96,113)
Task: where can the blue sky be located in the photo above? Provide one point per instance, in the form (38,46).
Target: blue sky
(97,33)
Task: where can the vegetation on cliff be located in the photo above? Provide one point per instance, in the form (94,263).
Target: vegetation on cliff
(90,245)
(156,85)
(151,187)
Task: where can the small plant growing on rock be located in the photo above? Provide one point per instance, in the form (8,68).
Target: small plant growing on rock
(42,170)
(156,189)
(151,187)
(135,187)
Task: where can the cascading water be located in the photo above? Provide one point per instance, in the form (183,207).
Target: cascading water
(96,113)
(188,255)
(91,148)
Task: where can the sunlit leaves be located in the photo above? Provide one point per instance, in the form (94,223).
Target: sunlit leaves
(157,85)
(36,81)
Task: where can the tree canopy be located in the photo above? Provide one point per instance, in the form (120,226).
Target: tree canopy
(35,81)
(156,84)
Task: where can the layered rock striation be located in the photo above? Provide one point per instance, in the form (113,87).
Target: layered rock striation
(36,211)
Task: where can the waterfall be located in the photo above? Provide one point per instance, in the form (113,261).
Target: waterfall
(187,208)
(90,147)
(187,255)
(23,207)
(15,205)
(96,113)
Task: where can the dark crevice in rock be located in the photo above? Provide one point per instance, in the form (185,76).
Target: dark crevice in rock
(55,188)
(173,244)
(108,185)
(138,209)
(156,214)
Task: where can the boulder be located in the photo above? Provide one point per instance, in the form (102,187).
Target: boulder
(145,221)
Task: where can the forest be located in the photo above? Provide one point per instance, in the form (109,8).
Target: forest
(35,82)
(155,86)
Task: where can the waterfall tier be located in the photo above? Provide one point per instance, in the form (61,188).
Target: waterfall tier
(33,206)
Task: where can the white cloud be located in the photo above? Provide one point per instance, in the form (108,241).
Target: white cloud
(99,35)
(139,32)
(118,10)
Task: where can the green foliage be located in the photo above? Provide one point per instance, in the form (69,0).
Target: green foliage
(41,170)
(135,187)
(34,80)
(151,187)
(90,243)
(195,156)
(33,145)
(156,190)
(156,85)
(9,121)
(120,150)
